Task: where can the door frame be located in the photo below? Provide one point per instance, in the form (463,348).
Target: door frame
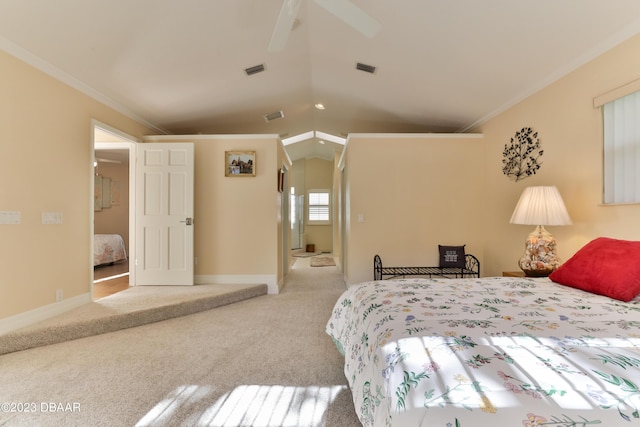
(124,141)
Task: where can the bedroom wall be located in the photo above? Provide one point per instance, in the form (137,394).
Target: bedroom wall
(237,220)
(115,219)
(46,166)
(570,130)
(405,194)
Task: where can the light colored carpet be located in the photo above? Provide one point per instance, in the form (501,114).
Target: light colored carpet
(138,305)
(264,361)
(322,261)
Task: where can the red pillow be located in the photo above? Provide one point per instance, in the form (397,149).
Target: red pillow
(603,266)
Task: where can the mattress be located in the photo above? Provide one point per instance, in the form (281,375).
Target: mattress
(488,352)
(108,248)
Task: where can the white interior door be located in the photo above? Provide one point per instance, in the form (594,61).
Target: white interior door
(164,214)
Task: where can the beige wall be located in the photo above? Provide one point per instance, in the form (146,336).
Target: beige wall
(570,130)
(46,166)
(238,220)
(408,193)
(417,193)
(115,219)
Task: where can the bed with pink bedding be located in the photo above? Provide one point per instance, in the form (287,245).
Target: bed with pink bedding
(108,248)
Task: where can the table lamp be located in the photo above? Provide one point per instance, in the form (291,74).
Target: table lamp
(540,206)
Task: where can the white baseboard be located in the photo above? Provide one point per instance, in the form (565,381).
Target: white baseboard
(30,317)
(236,279)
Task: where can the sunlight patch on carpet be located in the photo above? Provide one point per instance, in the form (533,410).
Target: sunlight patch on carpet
(254,405)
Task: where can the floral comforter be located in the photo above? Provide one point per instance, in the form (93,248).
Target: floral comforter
(488,352)
(108,248)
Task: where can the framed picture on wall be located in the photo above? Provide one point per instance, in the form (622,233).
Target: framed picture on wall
(239,163)
(97,193)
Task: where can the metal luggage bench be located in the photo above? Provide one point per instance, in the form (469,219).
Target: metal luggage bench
(471,269)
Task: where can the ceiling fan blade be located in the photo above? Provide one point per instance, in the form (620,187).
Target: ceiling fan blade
(352,15)
(281,32)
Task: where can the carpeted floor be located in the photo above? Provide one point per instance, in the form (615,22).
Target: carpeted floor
(136,306)
(264,361)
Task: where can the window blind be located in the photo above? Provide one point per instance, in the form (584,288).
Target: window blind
(622,150)
(319,206)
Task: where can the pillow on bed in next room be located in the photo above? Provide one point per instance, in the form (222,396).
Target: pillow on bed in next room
(604,266)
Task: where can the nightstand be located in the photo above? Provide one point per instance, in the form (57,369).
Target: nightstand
(513,274)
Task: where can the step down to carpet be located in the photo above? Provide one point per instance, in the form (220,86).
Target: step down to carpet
(135,306)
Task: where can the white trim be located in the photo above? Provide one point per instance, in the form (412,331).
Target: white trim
(341,161)
(329,137)
(30,317)
(616,93)
(298,138)
(313,134)
(608,44)
(416,135)
(183,138)
(271,280)
(49,69)
(117,132)
(287,160)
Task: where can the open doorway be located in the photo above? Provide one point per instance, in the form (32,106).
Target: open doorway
(112,210)
(311,221)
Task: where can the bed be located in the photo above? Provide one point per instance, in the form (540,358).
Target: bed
(494,351)
(108,248)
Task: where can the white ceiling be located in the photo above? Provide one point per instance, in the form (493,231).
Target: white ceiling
(442,65)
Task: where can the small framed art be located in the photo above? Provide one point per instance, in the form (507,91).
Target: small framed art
(239,163)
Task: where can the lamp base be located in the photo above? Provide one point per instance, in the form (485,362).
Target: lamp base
(537,273)
(539,258)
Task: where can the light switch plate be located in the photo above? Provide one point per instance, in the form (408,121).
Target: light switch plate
(10,217)
(52,217)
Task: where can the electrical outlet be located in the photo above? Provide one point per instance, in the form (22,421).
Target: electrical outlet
(59,295)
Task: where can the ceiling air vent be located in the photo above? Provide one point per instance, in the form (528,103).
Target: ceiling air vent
(273,116)
(366,68)
(254,70)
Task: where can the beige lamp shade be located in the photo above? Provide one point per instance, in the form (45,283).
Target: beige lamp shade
(540,206)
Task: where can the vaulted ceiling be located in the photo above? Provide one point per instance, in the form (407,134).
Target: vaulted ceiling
(440,65)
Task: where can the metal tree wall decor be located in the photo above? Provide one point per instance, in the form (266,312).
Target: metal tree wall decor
(521,157)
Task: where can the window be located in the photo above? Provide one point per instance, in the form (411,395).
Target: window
(319,207)
(622,149)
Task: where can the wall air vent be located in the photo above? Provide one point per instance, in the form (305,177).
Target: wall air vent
(254,70)
(273,116)
(366,68)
